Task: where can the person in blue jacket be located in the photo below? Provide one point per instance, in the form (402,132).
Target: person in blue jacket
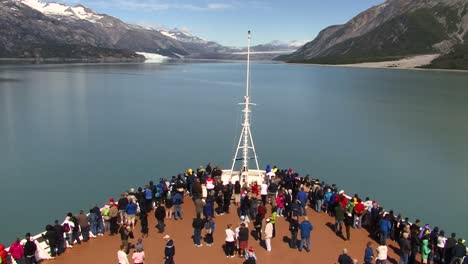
(302,198)
(305,227)
(384,226)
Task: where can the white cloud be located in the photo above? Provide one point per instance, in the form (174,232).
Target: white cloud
(218,6)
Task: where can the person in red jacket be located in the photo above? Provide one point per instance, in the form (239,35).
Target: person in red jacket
(3,254)
(341,198)
(358,213)
(17,251)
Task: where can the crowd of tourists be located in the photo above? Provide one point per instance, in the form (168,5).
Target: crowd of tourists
(282,194)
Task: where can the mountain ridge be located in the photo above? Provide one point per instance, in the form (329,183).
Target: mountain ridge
(390,31)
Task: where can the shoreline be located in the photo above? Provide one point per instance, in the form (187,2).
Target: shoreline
(408,63)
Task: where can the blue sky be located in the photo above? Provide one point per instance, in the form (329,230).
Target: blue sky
(227,21)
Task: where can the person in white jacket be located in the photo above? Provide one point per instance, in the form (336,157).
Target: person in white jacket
(122,256)
(268,234)
(68,226)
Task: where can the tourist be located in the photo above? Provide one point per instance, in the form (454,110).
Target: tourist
(381,254)
(459,251)
(114,217)
(178,200)
(60,232)
(199,204)
(209,228)
(219,198)
(264,192)
(100,222)
(29,250)
(359,210)
(230,241)
(272,190)
(293,228)
(93,223)
(138,256)
(125,235)
(197,189)
(139,244)
(258,227)
(106,217)
(51,237)
(339,218)
(68,225)
(253,206)
(345,258)
(302,198)
(237,193)
(368,254)
(385,226)
(305,227)
(84,225)
(227,194)
(197,225)
(122,255)
(348,222)
(280,199)
(130,212)
(441,239)
(3,254)
(144,223)
(160,214)
(169,206)
(415,246)
(250,257)
(273,220)
(169,250)
(449,245)
(326,200)
(268,234)
(405,248)
(242,235)
(318,196)
(122,204)
(425,250)
(17,251)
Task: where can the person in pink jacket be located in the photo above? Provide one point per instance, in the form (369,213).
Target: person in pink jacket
(280,198)
(17,251)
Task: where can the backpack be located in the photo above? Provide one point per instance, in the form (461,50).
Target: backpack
(148,194)
(66,227)
(319,194)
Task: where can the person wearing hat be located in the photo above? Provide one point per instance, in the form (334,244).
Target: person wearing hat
(169,250)
(250,257)
(268,234)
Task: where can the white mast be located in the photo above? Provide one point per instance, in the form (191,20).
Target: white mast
(246,135)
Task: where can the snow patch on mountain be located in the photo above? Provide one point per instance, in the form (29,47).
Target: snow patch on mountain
(61,10)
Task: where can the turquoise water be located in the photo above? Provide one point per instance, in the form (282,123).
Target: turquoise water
(75,135)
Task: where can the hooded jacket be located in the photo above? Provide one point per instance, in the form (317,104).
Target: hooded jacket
(16,250)
(425,250)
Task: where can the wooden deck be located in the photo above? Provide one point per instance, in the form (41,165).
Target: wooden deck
(325,245)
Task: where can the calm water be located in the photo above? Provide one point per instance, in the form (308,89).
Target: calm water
(75,135)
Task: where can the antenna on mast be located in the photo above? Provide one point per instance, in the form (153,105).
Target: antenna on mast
(246,141)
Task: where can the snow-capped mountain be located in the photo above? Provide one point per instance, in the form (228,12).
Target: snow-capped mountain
(61,10)
(35,28)
(182,35)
